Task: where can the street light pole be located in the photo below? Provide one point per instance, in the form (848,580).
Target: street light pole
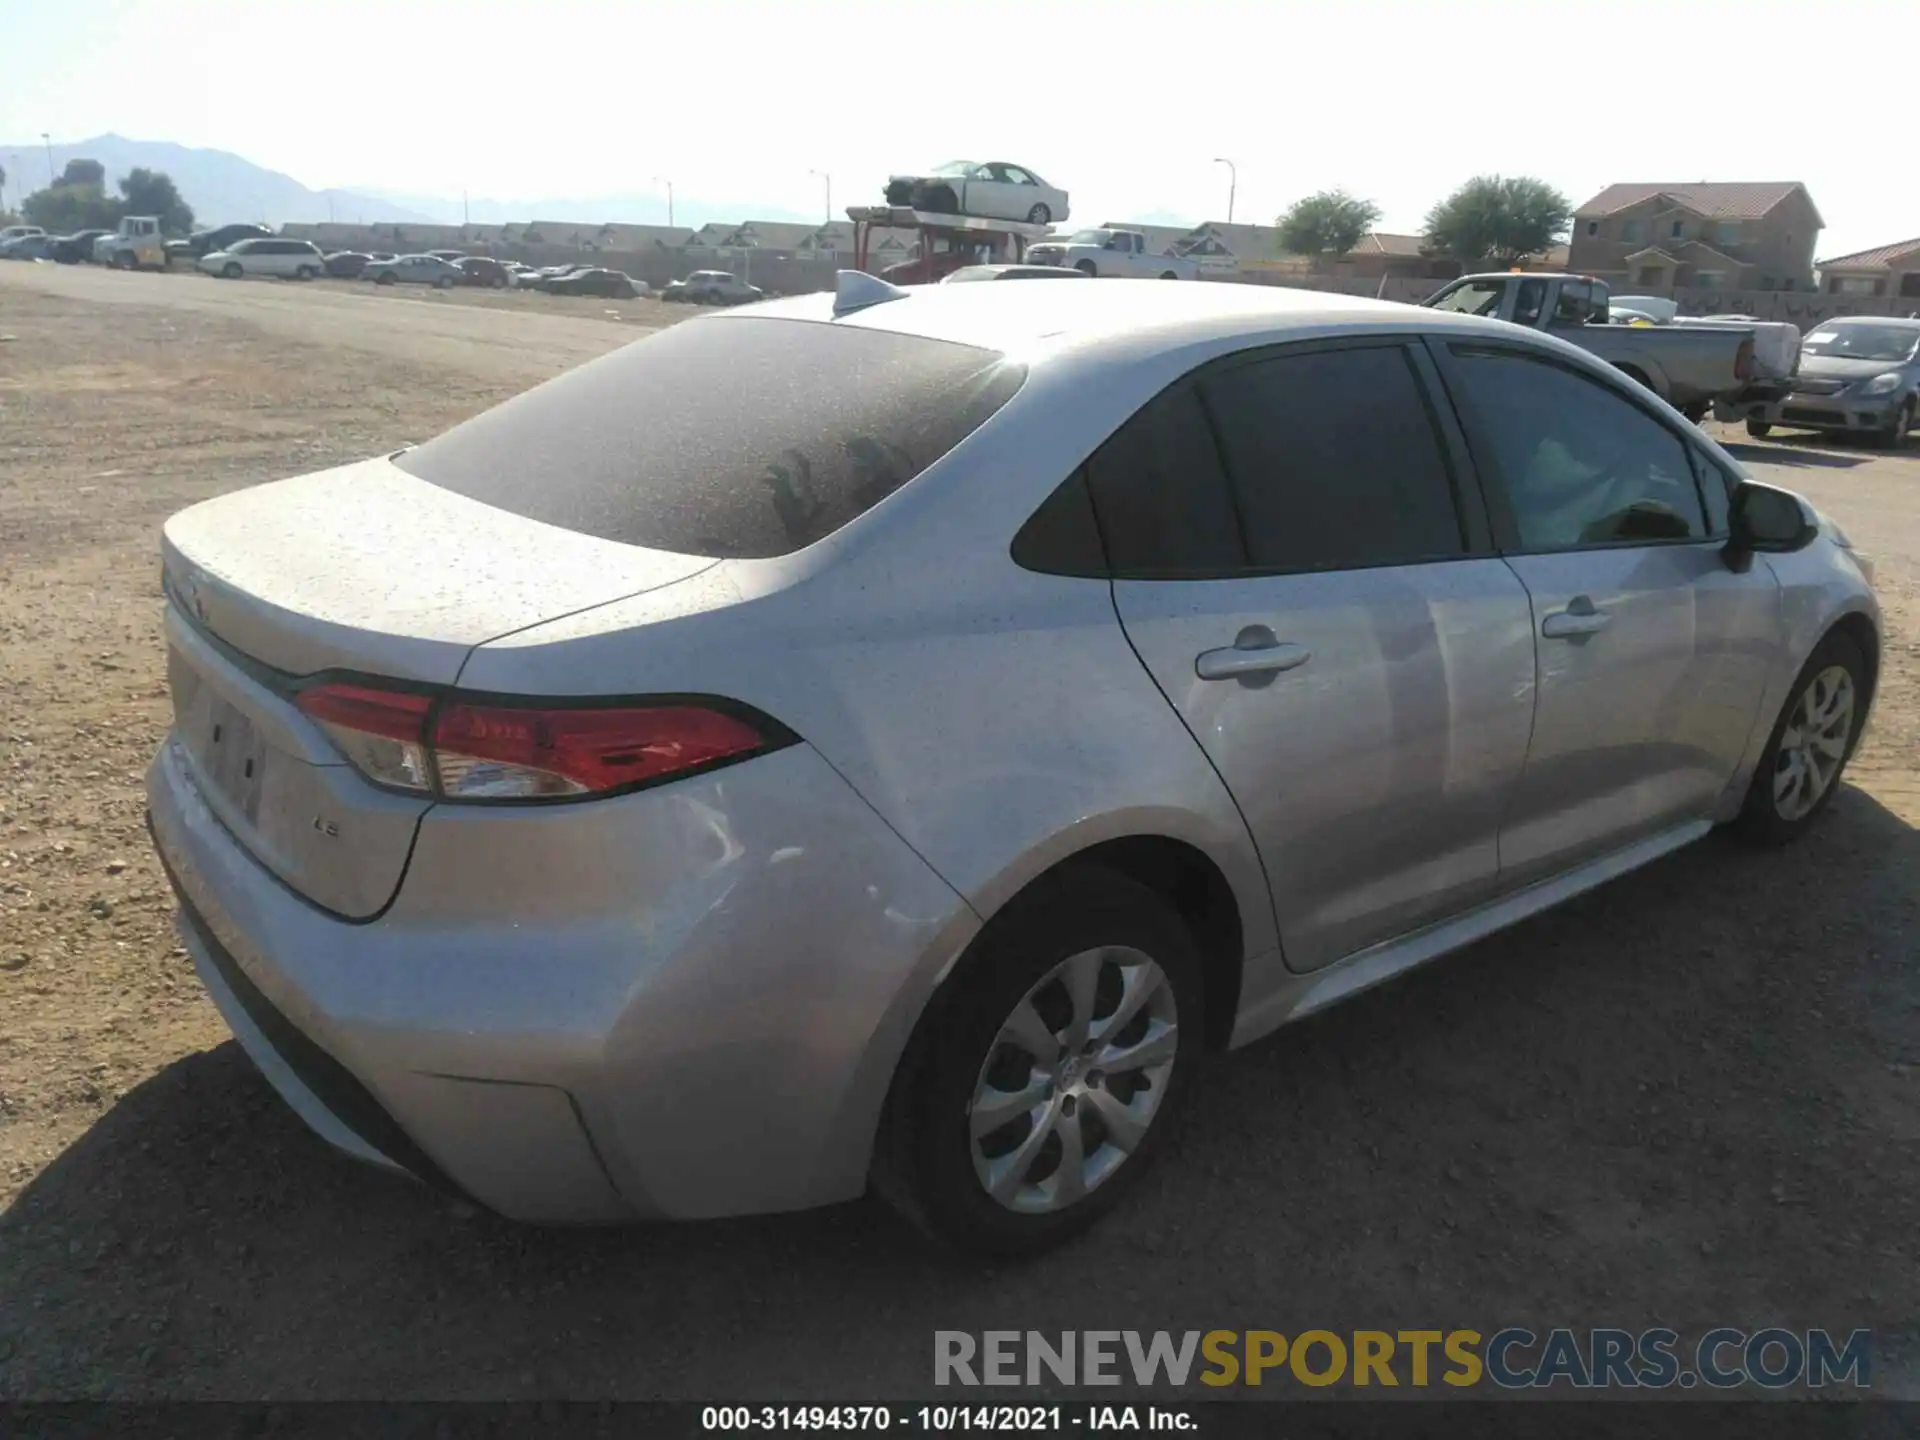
(829,182)
(669,184)
(51,178)
(1233,183)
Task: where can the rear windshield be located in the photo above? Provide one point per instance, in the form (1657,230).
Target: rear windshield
(737,438)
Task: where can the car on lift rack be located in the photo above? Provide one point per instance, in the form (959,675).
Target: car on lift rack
(993,190)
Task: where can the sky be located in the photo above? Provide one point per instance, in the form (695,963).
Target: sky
(1126,104)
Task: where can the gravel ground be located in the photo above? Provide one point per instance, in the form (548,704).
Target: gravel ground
(1689,1098)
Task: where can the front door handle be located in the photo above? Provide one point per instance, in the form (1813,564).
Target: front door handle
(1578,619)
(1255,651)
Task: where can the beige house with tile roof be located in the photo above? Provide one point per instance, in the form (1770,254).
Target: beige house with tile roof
(1889,270)
(1744,235)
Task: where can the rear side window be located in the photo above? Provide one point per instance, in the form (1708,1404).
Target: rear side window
(1164,507)
(734,438)
(1335,461)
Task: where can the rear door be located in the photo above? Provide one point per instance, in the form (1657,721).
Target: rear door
(1302,565)
(1652,653)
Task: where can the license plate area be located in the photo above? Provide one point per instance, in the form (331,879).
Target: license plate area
(221,738)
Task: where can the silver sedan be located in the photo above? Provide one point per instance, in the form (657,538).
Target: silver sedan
(415,270)
(890,739)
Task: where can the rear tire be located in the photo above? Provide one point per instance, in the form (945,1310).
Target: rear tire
(1759,429)
(1113,1100)
(443,282)
(1168,275)
(1040,215)
(306,272)
(1807,753)
(942,201)
(1695,412)
(385,277)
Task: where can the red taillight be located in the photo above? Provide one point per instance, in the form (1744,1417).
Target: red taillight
(466,750)
(381,732)
(501,751)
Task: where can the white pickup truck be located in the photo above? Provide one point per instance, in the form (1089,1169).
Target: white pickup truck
(1112,252)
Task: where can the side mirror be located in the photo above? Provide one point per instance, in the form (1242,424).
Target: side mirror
(1763,520)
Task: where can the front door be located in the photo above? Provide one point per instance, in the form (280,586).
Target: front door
(1299,575)
(1652,654)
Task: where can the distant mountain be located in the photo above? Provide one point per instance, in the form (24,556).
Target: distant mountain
(220,187)
(632,208)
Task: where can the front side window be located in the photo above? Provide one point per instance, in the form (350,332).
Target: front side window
(1580,465)
(1334,460)
(734,438)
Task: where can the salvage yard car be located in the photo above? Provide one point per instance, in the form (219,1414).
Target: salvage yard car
(593,280)
(1690,366)
(1112,253)
(994,191)
(415,270)
(970,273)
(281,259)
(1860,374)
(890,737)
(712,287)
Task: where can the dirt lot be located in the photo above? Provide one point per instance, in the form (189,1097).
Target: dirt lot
(1689,1099)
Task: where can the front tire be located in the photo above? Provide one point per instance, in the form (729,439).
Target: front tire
(1894,437)
(306,272)
(231,270)
(1087,267)
(443,282)
(1759,429)
(1050,1069)
(385,277)
(1810,745)
(126,260)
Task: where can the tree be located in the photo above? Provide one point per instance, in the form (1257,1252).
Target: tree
(85,172)
(62,209)
(152,192)
(1329,223)
(1497,220)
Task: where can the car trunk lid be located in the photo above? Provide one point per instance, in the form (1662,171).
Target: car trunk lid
(363,570)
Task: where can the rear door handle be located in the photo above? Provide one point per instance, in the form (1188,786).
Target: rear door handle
(1578,619)
(1256,651)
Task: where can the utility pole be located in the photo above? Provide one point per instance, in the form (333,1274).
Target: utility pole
(466,216)
(669,184)
(52,179)
(829,180)
(1233,183)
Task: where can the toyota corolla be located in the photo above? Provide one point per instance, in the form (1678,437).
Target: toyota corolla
(888,739)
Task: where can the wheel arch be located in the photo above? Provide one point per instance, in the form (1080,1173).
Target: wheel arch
(1859,628)
(1190,881)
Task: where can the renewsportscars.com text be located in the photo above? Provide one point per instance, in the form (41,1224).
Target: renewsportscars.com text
(1512,1358)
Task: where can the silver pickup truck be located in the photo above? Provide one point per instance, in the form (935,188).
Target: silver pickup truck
(1689,366)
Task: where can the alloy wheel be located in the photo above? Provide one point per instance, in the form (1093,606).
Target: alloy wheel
(1073,1079)
(1814,745)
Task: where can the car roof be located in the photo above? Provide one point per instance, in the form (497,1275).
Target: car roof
(1031,320)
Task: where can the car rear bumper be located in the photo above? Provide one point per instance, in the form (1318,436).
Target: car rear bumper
(685,1002)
